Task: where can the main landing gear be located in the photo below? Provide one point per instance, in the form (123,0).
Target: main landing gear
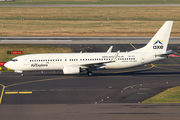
(22,74)
(89,73)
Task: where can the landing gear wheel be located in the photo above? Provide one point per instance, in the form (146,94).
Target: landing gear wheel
(89,73)
(22,74)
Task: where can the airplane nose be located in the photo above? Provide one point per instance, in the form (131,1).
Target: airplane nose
(6,65)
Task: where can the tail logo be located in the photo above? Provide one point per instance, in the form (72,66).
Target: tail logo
(158,44)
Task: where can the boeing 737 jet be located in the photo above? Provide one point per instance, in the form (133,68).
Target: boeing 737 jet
(75,63)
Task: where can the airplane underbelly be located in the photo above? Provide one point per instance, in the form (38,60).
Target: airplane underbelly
(122,64)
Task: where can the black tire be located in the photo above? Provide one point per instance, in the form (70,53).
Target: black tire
(22,74)
(89,73)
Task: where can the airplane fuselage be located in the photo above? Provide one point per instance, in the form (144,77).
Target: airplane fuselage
(56,61)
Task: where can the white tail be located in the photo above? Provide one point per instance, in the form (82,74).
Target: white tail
(160,40)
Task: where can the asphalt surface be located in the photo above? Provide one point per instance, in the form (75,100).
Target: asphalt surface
(106,95)
(109,94)
(81,40)
(95,5)
(56,88)
(91,112)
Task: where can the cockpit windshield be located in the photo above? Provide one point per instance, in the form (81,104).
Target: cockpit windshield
(14,60)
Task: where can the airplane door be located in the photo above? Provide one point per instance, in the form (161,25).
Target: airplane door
(25,61)
(142,59)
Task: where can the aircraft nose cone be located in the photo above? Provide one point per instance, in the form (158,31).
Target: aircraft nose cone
(7,65)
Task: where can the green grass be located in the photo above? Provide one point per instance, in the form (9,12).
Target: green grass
(29,49)
(171,95)
(123,21)
(93,2)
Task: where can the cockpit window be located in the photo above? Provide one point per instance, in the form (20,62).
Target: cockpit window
(14,60)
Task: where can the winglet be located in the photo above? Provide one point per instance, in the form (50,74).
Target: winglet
(115,56)
(110,49)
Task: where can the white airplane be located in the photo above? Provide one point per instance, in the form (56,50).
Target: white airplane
(74,63)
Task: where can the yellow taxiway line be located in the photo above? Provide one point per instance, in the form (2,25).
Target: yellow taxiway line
(2,92)
(132,45)
(11,92)
(27,92)
(20,92)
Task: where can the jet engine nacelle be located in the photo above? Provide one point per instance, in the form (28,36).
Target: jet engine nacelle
(71,70)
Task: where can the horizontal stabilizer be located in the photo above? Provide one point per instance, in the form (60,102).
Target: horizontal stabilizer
(163,54)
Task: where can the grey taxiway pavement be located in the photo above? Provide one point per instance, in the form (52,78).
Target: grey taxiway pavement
(95,5)
(106,95)
(91,112)
(80,40)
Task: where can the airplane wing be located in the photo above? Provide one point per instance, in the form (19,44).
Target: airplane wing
(98,64)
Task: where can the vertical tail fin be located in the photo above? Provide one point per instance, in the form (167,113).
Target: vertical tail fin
(160,40)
